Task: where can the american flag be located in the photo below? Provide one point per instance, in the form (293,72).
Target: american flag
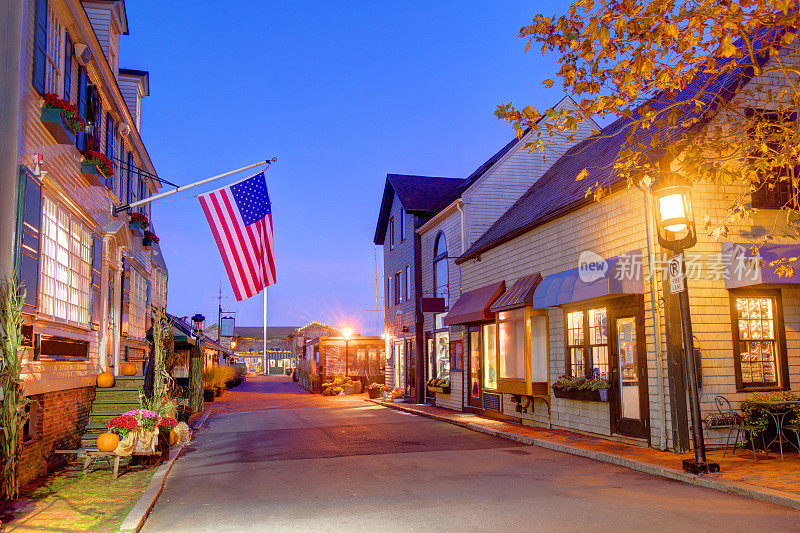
(240,216)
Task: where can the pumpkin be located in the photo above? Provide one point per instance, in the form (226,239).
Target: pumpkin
(105,380)
(173,437)
(107,442)
(128,369)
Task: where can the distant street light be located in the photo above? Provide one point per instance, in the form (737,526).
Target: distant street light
(676,232)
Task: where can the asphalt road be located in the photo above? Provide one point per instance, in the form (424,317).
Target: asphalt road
(273,458)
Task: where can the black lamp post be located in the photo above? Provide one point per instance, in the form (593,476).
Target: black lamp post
(676,232)
(346,334)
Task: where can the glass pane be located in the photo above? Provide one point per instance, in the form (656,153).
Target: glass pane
(575,328)
(538,328)
(598,328)
(489,359)
(628,366)
(442,363)
(474,364)
(512,349)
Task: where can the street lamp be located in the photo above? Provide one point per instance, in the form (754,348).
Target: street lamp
(347,333)
(676,232)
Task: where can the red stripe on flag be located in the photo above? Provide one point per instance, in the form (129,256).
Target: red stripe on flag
(220,245)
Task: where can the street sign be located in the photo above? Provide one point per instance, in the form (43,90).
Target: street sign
(676,275)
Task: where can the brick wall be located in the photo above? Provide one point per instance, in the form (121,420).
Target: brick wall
(61,420)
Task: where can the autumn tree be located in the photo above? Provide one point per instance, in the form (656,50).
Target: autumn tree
(663,70)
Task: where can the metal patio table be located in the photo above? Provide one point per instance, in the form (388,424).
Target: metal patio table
(778,411)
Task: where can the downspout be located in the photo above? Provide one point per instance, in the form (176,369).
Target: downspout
(662,414)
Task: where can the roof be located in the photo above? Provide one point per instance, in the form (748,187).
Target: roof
(312,324)
(257,332)
(557,192)
(423,195)
(143,75)
(186,329)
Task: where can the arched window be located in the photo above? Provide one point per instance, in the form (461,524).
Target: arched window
(440,273)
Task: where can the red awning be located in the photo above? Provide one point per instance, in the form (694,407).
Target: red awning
(519,295)
(473,306)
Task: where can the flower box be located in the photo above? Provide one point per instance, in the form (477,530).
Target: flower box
(135,226)
(443,390)
(600,395)
(53,121)
(93,174)
(147,243)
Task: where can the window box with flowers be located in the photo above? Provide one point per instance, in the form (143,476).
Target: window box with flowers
(149,239)
(137,223)
(96,167)
(60,118)
(439,385)
(587,389)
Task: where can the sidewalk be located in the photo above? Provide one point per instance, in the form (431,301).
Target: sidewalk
(770,479)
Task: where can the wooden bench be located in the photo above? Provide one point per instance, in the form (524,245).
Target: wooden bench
(89,456)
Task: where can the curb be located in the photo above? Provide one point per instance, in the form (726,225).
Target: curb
(783,498)
(134,521)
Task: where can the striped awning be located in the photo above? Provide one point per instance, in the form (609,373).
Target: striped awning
(520,294)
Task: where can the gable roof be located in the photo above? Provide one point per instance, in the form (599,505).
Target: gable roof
(421,195)
(557,192)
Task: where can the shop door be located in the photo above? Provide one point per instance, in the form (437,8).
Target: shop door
(474,396)
(629,397)
(411,374)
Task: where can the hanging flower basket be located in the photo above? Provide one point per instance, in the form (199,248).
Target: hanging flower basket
(137,223)
(61,119)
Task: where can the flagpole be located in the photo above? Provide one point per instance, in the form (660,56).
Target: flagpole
(266,368)
(116,210)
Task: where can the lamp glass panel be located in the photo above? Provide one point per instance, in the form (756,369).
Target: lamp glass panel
(671,207)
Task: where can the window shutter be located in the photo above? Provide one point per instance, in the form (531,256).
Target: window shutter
(40,45)
(126,297)
(69,50)
(95,310)
(29,221)
(80,139)
(109,149)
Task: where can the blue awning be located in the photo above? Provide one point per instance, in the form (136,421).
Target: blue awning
(622,274)
(743,269)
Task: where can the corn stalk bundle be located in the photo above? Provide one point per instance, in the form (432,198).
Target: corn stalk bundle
(13,413)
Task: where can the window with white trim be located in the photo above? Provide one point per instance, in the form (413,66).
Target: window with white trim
(159,291)
(55,58)
(138,305)
(66,262)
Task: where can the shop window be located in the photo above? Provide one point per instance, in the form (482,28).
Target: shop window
(65,275)
(587,343)
(537,327)
(441,355)
(512,344)
(758,345)
(489,359)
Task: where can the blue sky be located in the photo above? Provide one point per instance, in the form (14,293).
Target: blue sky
(341,93)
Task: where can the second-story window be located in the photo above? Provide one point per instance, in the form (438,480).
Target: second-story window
(402,224)
(391,233)
(69,52)
(109,147)
(440,271)
(774,188)
(397,300)
(54,58)
(387,296)
(142,193)
(408,282)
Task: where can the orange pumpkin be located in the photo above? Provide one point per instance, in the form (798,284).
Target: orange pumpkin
(107,442)
(128,369)
(173,438)
(105,380)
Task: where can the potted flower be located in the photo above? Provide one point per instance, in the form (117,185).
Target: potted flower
(167,425)
(149,239)
(374,390)
(96,166)
(60,118)
(441,385)
(122,425)
(138,221)
(183,412)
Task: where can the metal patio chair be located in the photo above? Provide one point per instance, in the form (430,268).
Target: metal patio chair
(727,418)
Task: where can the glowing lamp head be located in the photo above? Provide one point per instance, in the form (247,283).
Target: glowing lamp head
(347,333)
(673,210)
(233,344)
